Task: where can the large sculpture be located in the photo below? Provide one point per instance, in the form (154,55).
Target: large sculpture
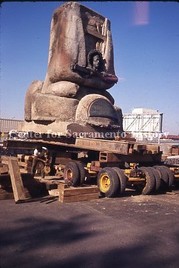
(80,71)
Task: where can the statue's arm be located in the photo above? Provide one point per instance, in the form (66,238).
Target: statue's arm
(108,78)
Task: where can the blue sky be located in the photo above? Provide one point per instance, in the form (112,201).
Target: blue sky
(146,54)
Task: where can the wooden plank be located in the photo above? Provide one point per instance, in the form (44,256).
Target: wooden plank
(72,191)
(73,194)
(16,180)
(101,145)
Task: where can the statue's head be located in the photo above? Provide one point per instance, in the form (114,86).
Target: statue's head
(95,60)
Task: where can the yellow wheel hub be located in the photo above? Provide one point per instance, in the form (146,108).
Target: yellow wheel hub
(104,183)
(69,174)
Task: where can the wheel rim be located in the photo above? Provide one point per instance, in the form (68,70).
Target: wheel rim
(69,174)
(72,174)
(104,183)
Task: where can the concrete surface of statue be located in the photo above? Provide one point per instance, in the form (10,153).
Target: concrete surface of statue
(80,71)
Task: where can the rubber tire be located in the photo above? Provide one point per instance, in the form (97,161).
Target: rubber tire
(164,178)
(150,181)
(122,179)
(157,176)
(82,171)
(170,176)
(73,167)
(114,182)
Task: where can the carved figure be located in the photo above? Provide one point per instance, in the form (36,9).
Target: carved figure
(95,68)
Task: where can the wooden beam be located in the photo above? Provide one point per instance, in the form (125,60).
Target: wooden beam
(76,194)
(16,180)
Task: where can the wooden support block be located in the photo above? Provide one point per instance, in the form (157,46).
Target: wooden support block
(16,180)
(75,194)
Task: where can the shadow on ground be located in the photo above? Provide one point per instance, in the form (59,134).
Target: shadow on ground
(82,241)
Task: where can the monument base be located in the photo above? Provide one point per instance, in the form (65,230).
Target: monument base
(58,129)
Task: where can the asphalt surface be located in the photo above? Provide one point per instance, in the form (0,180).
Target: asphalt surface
(130,231)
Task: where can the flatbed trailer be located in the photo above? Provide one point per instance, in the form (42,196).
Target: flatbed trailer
(112,164)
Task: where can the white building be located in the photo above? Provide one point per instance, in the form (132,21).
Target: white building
(9,124)
(143,124)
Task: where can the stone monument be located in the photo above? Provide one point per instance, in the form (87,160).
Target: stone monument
(74,96)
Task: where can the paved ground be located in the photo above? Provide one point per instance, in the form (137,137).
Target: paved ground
(131,231)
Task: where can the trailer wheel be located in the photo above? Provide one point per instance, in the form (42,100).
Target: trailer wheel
(157,177)
(164,177)
(170,176)
(72,174)
(122,179)
(81,168)
(108,182)
(150,181)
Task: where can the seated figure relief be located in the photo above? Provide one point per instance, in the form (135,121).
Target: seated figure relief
(95,68)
